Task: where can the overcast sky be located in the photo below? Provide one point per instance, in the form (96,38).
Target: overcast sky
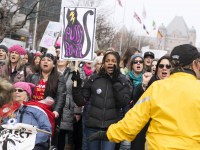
(161,11)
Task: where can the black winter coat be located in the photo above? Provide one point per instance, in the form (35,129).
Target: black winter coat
(58,96)
(104,99)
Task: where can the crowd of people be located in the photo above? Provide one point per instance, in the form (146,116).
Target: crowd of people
(133,101)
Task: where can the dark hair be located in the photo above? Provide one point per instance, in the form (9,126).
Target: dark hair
(117,56)
(52,82)
(158,62)
(99,52)
(128,53)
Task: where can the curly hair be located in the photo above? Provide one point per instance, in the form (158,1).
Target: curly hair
(6,92)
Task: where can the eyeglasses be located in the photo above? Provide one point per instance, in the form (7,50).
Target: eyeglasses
(19,90)
(161,66)
(139,61)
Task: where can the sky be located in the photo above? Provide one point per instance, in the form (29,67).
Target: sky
(161,11)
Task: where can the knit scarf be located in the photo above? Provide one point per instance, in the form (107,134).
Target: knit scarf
(135,79)
(88,71)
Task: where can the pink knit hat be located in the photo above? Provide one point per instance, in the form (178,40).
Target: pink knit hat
(25,86)
(18,49)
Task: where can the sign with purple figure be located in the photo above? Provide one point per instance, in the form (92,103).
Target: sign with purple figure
(78,33)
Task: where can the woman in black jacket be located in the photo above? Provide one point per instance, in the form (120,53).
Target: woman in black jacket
(162,71)
(104,94)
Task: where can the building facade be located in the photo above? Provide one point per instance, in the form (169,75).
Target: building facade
(176,33)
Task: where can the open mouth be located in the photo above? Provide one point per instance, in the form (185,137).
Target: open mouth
(164,74)
(110,69)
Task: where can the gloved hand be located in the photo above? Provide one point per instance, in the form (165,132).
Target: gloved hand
(76,77)
(100,135)
(116,73)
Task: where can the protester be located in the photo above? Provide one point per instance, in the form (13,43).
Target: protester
(171,104)
(3,53)
(35,64)
(162,71)
(97,64)
(71,113)
(14,70)
(49,83)
(108,91)
(136,70)
(153,66)
(32,115)
(125,60)
(148,58)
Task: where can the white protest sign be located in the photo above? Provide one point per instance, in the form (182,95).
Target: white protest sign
(10,42)
(78,33)
(17,137)
(50,35)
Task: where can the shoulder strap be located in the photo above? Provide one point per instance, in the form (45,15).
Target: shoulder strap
(22,114)
(25,73)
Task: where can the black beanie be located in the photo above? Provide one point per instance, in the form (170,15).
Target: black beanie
(4,48)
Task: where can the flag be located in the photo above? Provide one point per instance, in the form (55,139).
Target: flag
(159,34)
(154,25)
(137,18)
(120,3)
(144,15)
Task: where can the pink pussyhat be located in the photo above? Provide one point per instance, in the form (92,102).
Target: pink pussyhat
(58,43)
(26,86)
(20,50)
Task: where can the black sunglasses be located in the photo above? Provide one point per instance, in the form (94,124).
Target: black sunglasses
(19,90)
(161,66)
(139,61)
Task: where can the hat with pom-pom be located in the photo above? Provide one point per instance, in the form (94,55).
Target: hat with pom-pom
(38,54)
(25,86)
(58,43)
(17,48)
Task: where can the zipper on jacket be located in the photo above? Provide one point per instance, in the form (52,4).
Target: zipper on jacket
(104,109)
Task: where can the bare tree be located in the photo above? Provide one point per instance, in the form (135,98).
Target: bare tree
(11,11)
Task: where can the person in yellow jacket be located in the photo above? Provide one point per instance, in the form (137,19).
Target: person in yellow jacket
(172,104)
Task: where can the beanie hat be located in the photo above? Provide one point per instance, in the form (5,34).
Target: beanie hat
(20,50)
(184,54)
(149,53)
(3,46)
(25,86)
(133,57)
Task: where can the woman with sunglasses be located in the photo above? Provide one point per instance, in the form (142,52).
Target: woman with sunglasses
(162,71)
(21,112)
(136,70)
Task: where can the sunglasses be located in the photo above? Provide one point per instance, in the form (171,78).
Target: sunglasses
(161,66)
(140,61)
(19,90)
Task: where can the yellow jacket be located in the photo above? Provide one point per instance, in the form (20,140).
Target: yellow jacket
(173,104)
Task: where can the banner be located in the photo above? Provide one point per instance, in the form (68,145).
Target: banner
(78,33)
(17,137)
(51,34)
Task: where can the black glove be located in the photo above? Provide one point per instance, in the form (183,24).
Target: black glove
(100,135)
(116,73)
(76,77)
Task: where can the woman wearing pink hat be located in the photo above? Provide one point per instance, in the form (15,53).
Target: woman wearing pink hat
(26,113)
(14,70)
